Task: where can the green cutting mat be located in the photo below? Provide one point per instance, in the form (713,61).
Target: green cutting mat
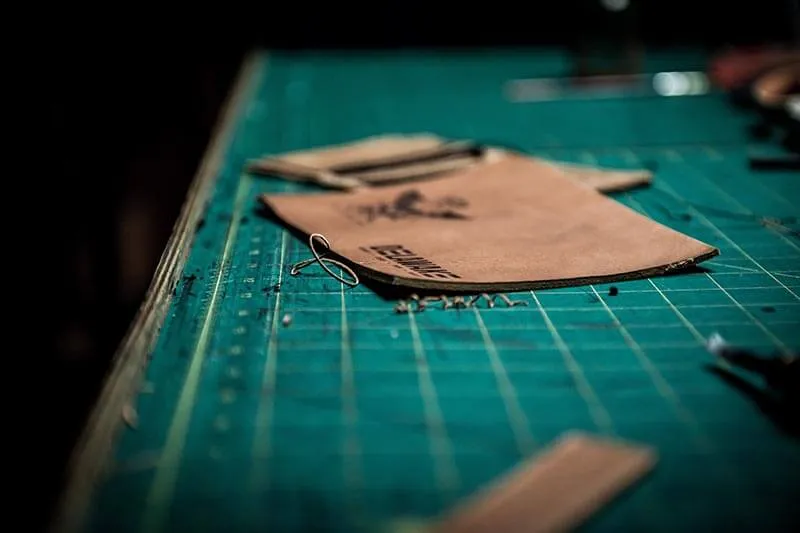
(353,415)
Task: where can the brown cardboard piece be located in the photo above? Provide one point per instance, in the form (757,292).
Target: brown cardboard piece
(390,159)
(515,224)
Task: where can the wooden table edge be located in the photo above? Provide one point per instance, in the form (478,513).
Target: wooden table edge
(94,445)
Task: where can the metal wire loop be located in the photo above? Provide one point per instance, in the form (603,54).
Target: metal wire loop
(319,258)
(457,302)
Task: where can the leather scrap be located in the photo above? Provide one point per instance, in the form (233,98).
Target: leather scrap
(374,161)
(515,224)
(390,159)
(557,490)
(607,180)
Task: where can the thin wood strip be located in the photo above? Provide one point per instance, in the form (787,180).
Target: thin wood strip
(556,491)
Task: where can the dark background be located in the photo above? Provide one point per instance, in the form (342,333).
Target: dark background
(135,103)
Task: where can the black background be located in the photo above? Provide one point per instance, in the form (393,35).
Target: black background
(136,96)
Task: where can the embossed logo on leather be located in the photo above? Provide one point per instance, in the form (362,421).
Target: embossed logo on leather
(410,261)
(410,204)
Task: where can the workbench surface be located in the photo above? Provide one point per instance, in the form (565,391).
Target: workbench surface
(353,415)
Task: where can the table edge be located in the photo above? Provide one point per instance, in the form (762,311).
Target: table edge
(89,455)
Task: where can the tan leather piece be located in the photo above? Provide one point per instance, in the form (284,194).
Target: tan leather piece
(515,224)
(366,150)
(422,170)
(414,157)
(607,180)
(556,491)
(391,158)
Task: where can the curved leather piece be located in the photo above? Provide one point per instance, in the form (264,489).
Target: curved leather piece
(515,224)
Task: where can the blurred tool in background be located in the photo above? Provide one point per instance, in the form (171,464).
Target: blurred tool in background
(765,82)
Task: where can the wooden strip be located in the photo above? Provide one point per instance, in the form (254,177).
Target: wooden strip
(556,491)
(93,447)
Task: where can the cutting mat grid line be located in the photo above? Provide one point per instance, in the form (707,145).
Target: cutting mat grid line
(352,414)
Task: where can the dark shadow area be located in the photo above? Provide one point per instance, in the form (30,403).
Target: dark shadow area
(781,409)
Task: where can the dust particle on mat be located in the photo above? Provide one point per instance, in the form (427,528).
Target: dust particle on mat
(286,320)
(613,291)
(768,309)
(130,416)
(716,344)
